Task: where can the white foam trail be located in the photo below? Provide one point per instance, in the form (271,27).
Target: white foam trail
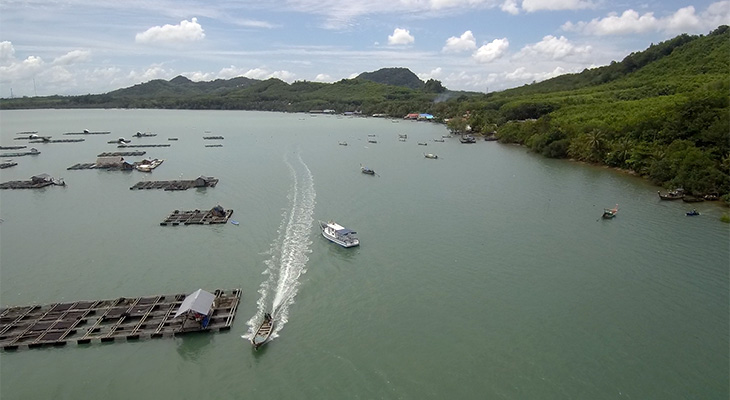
(288,251)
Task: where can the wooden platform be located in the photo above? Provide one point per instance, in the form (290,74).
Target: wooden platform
(122,153)
(83,322)
(174,185)
(56,140)
(143,145)
(24,185)
(195,217)
(21,154)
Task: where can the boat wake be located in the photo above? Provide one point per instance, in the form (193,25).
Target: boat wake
(288,251)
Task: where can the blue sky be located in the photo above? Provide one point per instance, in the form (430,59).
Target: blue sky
(73,47)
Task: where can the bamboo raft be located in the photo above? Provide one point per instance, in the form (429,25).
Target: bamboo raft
(143,145)
(87,132)
(100,321)
(174,185)
(8,164)
(28,184)
(212,137)
(21,154)
(12,147)
(196,217)
(56,140)
(122,154)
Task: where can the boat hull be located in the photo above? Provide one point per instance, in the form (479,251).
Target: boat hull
(263,334)
(344,242)
(341,242)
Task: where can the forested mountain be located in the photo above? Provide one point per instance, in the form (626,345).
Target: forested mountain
(394,76)
(663,113)
(182,86)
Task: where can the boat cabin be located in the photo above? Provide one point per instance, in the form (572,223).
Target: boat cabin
(41,178)
(196,310)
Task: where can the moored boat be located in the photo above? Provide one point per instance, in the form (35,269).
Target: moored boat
(263,333)
(675,194)
(367,171)
(337,233)
(430,155)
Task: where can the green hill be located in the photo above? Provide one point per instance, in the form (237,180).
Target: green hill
(663,113)
(394,76)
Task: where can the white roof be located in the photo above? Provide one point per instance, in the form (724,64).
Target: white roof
(335,225)
(198,301)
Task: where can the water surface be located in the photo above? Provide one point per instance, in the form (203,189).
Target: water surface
(484,274)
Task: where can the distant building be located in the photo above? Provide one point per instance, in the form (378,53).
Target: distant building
(411,116)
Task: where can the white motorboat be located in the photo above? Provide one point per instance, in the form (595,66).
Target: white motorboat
(337,233)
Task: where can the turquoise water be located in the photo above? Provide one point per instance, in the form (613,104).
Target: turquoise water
(487,273)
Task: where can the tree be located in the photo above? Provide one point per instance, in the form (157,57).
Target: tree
(433,86)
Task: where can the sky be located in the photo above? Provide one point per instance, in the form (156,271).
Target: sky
(77,47)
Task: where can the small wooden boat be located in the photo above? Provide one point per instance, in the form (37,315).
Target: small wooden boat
(675,194)
(343,143)
(609,213)
(263,334)
(430,155)
(367,171)
(692,199)
(692,213)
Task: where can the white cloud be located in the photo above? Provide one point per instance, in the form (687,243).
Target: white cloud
(435,73)
(521,74)
(231,72)
(285,76)
(7,52)
(251,23)
(717,14)
(263,74)
(73,57)
(553,48)
(21,70)
(400,36)
(491,51)
(465,42)
(186,31)
(553,5)
(323,78)
(199,76)
(511,7)
(56,75)
(151,73)
(627,23)
(684,20)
